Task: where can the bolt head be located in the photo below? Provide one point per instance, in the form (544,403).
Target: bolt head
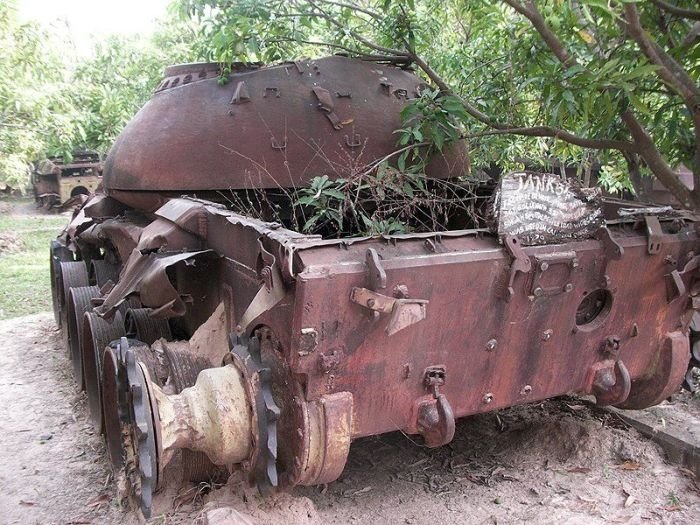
(544,266)
(488,398)
(491,344)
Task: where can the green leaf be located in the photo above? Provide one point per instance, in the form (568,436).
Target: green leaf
(641,71)
(335,194)
(439,141)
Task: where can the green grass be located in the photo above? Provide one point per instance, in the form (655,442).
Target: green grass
(24,275)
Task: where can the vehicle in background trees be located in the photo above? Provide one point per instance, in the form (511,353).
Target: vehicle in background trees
(56,182)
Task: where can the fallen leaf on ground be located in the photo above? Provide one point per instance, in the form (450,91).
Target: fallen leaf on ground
(630,499)
(350,493)
(26,503)
(99,500)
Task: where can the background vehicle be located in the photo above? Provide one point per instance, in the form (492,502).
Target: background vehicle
(55,182)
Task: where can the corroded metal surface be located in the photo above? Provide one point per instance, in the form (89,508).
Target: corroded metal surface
(269,127)
(56,183)
(301,344)
(576,320)
(96,335)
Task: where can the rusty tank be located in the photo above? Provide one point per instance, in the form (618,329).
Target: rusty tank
(209,340)
(59,184)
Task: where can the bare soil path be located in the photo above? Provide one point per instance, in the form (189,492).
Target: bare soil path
(52,466)
(555,462)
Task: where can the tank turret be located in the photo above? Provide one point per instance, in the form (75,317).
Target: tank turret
(266,127)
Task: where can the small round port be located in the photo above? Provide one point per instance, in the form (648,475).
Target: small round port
(594,308)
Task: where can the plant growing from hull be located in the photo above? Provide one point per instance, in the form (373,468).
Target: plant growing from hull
(431,121)
(386,201)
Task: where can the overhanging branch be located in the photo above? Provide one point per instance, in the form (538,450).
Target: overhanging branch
(669,70)
(678,11)
(355,34)
(643,143)
(525,131)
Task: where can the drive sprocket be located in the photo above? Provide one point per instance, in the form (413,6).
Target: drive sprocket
(245,352)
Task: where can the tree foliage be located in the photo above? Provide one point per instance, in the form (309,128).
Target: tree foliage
(36,113)
(53,102)
(573,80)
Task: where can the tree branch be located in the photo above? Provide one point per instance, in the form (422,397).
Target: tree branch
(312,43)
(678,11)
(656,162)
(354,34)
(533,131)
(19,126)
(669,70)
(538,22)
(642,141)
(674,76)
(354,7)
(560,134)
(692,36)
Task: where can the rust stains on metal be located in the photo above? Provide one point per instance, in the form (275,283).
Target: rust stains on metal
(301,111)
(281,348)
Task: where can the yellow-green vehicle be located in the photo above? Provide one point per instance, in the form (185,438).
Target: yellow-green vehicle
(55,182)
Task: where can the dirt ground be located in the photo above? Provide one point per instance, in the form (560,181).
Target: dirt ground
(555,462)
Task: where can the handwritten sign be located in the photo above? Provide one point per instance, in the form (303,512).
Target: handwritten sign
(541,208)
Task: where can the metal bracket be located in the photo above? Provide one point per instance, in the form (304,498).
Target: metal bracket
(521,262)
(377,275)
(613,250)
(326,104)
(436,421)
(404,312)
(270,293)
(547,262)
(610,382)
(676,286)
(276,145)
(678,283)
(655,234)
(434,378)
(400,93)
(269,261)
(240,95)
(664,374)
(355,142)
